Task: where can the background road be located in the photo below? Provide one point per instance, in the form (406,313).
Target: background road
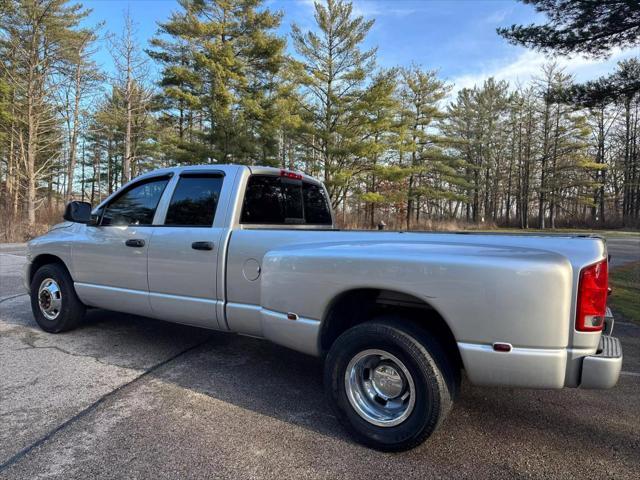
(125,396)
(623,249)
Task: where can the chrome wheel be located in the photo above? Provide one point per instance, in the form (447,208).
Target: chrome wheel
(380,388)
(50,298)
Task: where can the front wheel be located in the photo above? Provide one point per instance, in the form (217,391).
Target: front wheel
(55,305)
(390,384)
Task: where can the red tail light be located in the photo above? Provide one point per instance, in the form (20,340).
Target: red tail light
(592,297)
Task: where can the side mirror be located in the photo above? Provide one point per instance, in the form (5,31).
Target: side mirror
(79,212)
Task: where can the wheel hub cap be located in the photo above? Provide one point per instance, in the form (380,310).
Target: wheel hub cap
(50,298)
(380,388)
(386,381)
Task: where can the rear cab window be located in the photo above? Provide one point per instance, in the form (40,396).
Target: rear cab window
(316,204)
(273,200)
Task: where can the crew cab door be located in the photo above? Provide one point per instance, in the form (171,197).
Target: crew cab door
(185,251)
(110,258)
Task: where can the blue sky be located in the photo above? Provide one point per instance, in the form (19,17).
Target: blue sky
(456,37)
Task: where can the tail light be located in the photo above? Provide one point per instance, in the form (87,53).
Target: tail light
(592,297)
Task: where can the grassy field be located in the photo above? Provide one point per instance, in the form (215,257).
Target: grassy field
(625,298)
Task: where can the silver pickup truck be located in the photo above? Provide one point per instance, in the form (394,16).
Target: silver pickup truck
(397,316)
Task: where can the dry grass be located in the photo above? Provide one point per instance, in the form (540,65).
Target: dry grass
(15,229)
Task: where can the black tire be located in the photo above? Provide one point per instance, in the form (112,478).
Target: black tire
(434,375)
(71,311)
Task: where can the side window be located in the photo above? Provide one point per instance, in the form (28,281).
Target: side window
(263,201)
(136,205)
(194,201)
(316,206)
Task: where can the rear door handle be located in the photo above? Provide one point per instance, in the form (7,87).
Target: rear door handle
(202,245)
(134,242)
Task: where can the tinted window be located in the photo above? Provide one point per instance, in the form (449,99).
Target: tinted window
(263,201)
(194,201)
(274,200)
(292,198)
(316,206)
(136,205)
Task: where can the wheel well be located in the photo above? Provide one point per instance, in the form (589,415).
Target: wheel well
(358,306)
(44,259)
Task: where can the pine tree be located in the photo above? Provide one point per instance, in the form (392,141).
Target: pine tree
(6,150)
(288,114)
(39,35)
(430,171)
(5,110)
(521,141)
(589,27)
(109,132)
(477,127)
(378,111)
(627,70)
(130,78)
(334,76)
(569,164)
(82,81)
(220,64)
(459,128)
(8,144)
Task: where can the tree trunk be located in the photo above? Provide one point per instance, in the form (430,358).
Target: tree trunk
(126,161)
(74,133)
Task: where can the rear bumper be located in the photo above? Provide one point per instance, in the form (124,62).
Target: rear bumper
(544,368)
(602,369)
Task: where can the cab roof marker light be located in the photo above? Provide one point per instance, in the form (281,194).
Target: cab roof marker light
(288,174)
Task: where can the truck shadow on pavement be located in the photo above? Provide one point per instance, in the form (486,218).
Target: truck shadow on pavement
(286,385)
(257,375)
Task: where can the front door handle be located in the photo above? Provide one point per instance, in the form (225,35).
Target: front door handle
(134,242)
(202,245)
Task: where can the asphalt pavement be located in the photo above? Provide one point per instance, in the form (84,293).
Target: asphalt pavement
(623,249)
(128,397)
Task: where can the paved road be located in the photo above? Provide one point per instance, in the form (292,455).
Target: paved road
(124,396)
(624,249)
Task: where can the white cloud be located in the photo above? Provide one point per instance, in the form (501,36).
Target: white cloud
(368,8)
(308,3)
(529,64)
(498,16)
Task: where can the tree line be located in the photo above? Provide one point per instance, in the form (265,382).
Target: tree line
(392,144)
